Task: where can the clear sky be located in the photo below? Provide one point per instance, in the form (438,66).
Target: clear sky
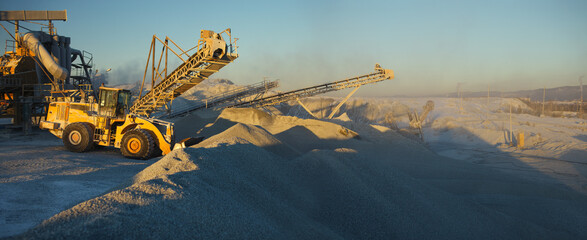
(430,45)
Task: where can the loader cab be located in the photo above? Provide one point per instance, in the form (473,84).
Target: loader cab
(113,102)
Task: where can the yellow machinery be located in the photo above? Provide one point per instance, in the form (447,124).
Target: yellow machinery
(106,123)
(113,121)
(38,65)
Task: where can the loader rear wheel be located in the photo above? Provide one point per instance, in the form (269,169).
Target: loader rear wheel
(138,143)
(78,137)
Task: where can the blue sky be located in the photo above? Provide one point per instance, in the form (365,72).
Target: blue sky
(430,45)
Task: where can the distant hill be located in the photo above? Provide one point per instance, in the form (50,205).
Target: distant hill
(567,93)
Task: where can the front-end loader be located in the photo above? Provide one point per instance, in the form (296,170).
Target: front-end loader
(114,121)
(82,126)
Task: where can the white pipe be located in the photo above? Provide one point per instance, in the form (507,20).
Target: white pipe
(33,44)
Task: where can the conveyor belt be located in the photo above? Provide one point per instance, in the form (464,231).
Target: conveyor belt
(227,98)
(203,63)
(379,75)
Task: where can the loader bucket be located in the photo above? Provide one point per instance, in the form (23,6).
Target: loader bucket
(188,142)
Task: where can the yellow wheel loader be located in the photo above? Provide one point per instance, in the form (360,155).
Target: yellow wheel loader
(82,126)
(113,121)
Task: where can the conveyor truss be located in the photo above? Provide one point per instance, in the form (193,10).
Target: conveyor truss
(238,95)
(379,75)
(210,55)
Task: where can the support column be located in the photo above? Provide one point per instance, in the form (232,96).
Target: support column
(342,102)
(307,110)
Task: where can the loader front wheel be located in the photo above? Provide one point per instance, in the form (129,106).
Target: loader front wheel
(138,143)
(78,137)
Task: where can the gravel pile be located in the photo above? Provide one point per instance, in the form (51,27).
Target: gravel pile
(274,177)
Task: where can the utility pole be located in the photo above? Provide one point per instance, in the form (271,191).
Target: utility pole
(511,137)
(487,113)
(458,94)
(543,98)
(581,104)
(461,100)
(487,94)
(459,97)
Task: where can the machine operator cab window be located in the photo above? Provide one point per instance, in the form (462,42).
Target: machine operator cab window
(113,102)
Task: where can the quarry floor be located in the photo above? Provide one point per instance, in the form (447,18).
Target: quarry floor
(39,178)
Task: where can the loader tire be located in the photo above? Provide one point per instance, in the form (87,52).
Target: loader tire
(138,144)
(78,137)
